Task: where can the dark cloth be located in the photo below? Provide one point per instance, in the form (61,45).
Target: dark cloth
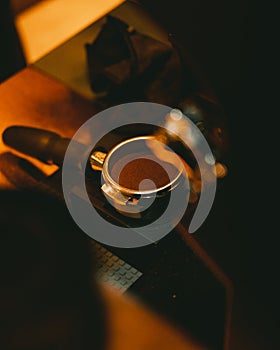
(130,66)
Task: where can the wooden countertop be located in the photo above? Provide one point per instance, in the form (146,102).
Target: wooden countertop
(31,98)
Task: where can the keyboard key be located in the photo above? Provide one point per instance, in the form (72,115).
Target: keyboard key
(114,271)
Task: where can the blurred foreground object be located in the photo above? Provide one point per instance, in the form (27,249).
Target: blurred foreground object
(49,297)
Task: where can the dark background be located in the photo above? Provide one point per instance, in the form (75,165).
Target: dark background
(234,45)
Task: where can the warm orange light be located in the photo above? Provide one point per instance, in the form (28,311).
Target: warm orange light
(50,23)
